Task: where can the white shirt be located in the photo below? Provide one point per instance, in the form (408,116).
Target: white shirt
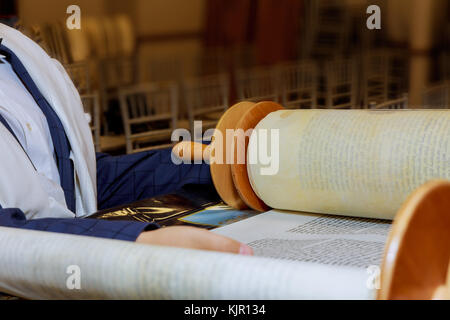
(30,126)
(20,184)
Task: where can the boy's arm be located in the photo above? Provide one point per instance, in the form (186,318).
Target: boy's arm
(129,178)
(178,236)
(120,230)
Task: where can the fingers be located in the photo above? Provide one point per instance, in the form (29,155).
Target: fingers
(205,240)
(193,238)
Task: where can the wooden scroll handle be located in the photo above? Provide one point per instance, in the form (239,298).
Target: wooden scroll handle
(443,291)
(416,262)
(189,151)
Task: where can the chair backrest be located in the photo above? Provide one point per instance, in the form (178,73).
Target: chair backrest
(118,72)
(257,84)
(384,76)
(298,82)
(401,103)
(79,73)
(205,96)
(341,84)
(437,97)
(91,105)
(326,28)
(374,84)
(114,73)
(149,112)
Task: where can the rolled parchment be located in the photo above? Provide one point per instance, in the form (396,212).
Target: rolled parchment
(44,265)
(349,162)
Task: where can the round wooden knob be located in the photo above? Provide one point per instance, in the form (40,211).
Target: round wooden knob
(417,255)
(220,167)
(229,175)
(241,181)
(219,160)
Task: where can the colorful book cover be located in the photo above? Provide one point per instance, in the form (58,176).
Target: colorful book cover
(198,206)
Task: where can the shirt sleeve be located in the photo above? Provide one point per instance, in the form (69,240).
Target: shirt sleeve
(119,230)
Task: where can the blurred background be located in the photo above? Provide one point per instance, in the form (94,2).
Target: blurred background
(146,67)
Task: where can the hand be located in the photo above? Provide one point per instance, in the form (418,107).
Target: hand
(193,238)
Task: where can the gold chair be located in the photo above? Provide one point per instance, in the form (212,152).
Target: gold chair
(91,104)
(341,84)
(206,99)
(401,103)
(257,84)
(299,85)
(384,76)
(149,112)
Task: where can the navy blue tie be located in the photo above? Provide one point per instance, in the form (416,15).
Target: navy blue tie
(60,141)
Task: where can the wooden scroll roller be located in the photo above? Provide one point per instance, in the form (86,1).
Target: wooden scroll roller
(231,180)
(416,262)
(417,254)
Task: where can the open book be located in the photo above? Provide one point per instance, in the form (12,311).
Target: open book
(346,244)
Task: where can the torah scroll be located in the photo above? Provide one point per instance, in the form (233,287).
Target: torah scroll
(351,162)
(44,265)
